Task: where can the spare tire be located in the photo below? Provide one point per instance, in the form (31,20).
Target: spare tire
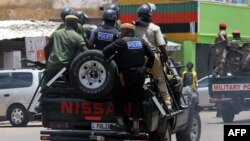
(92,75)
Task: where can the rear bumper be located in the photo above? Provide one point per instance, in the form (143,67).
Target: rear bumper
(86,135)
(222,100)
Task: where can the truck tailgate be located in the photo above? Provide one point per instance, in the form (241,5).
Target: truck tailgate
(82,113)
(230,86)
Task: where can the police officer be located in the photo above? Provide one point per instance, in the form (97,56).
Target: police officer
(64,12)
(116,8)
(131,52)
(84,28)
(105,33)
(65,44)
(152,35)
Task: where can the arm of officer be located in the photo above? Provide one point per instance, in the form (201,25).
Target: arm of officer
(48,48)
(82,44)
(161,43)
(151,57)
(91,41)
(118,45)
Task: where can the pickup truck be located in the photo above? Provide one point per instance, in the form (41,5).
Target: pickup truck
(82,109)
(232,93)
(230,85)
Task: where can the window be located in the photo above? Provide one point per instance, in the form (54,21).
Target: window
(203,83)
(15,80)
(5,79)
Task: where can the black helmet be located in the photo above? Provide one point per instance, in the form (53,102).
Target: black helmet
(65,11)
(81,16)
(114,7)
(145,11)
(109,15)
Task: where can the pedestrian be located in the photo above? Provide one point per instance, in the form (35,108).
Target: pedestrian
(106,33)
(152,35)
(190,76)
(131,52)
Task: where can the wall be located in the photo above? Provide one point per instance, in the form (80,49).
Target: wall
(12,45)
(236,17)
(178,20)
(47,9)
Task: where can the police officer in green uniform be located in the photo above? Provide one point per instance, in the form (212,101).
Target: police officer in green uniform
(84,28)
(64,12)
(66,44)
(116,8)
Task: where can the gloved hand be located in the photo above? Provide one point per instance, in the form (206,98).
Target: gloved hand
(148,70)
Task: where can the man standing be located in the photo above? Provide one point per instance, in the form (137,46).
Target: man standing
(190,76)
(131,52)
(221,40)
(116,8)
(84,29)
(222,35)
(152,35)
(66,44)
(105,33)
(65,12)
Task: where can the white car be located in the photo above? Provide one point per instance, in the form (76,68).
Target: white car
(17,88)
(204,98)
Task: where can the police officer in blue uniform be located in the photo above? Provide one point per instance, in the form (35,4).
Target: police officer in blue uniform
(131,52)
(106,33)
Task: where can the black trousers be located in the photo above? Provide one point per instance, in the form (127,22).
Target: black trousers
(131,92)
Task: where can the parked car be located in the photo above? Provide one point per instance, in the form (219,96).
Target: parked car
(17,88)
(204,98)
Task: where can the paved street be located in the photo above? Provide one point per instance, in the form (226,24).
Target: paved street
(212,128)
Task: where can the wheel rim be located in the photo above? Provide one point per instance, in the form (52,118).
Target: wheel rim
(194,134)
(92,74)
(17,116)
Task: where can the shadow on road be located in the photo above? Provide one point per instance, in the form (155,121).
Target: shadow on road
(242,121)
(30,125)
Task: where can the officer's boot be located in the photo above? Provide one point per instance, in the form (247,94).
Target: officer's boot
(135,129)
(178,102)
(120,126)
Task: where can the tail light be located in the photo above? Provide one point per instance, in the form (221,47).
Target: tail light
(58,125)
(212,100)
(44,138)
(219,96)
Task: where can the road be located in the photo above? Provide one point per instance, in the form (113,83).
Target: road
(212,128)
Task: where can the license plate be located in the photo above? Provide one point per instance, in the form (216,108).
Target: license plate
(101,126)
